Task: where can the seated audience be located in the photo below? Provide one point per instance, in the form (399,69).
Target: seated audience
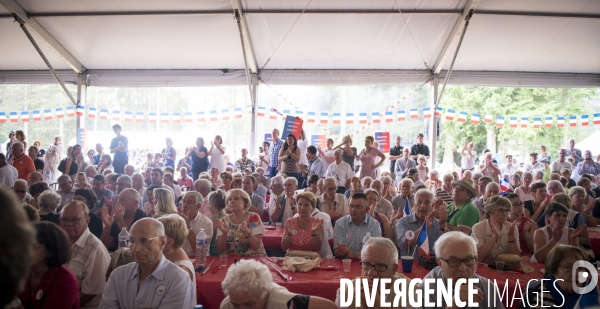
(525,226)
(226,179)
(20,188)
(534,208)
(240,232)
(304,232)
(82,181)
(525,191)
(88,197)
(445,191)
(194,221)
(48,202)
(312,185)
(148,207)
(123,215)
(169,182)
(284,205)
(32,213)
(494,234)
(491,189)
(389,192)
(258,203)
(216,202)
(102,194)
(151,281)
(89,258)
(373,199)
(354,187)
(35,190)
(249,284)
(383,206)
(583,204)
(434,182)
(138,183)
(34,177)
(461,214)
(421,212)
(163,203)
(351,229)
(405,193)
(557,232)
(185,179)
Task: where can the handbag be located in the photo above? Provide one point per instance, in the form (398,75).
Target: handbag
(301,261)
(63,165)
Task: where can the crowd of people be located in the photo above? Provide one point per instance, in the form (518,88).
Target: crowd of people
(78,205)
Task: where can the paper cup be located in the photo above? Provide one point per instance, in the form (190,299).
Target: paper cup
(347,265)
(407,263)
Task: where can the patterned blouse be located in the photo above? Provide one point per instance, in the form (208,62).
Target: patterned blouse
(301,239)
(237,244)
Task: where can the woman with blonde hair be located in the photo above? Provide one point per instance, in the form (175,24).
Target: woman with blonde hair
(20,136)
(226,178)
(304,232)
(53,157)
(163,203)
(217,154)
(422,168)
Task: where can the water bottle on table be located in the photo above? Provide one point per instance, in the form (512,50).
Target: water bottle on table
(365,239)
(124,238)
(201,248)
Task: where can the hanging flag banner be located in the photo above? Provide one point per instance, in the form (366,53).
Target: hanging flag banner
(537,122)
(524,122)
(427,112)
(299,113)
(414,113)
(285,113)
(401,116)
(91,112)
(383,138)
(47,114)
(60,113)
(176,116)
(375,117)
(292,125)
(488,119)
(268,138)
(389,116)
(324,118)
(597,118)
(362,118)
(127,116)
(572,121)
(24,116)
(439,111)
(462,116)
(213,116)
(116,115)
(201,116)
(272,115)
(560,121)
(37,116)
(70,111)
(261,111)
(225,114)
(548,122)
(237,111)
(349,118)
(513,122)
(188,117)
(14,117)
(103,113)
(337,118)
(164,117)
(500,121)
(450,114)
(585,120)
(152,117)
(318,140)
(2,117)
(139,117)
(80,110)
(474,118)
(311,117)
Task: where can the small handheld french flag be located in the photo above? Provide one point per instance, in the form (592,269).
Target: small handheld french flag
(406,207)
(423,241)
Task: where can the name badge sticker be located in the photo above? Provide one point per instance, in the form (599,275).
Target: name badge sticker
(39,294)
(348,235)
(160,289)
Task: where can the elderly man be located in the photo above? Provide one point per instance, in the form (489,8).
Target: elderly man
(462,214)
(588,166)
(102,193)
(194,220)
(277,189)
(202,186)
(456,255)
(332,203)
(22,162)
(422,211)
(129,170)
(351,229)
(573,152)
(258,188)
(157,181)
(152,281)
(315,164)
(89,258)
(533,163)
(384,206)
(509,168)
(561,162)
(35,177)
(404,194)
(244,162)
(8,173)
(340,171)
(123,215)
(274,153)
(379,260)
(284,206)
(403,164)
(21,189)
(258,204)
(65,189)
(185,180)
(468,156)
(419,148)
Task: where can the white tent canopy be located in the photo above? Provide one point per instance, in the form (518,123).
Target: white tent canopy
(187,42)
(590,143)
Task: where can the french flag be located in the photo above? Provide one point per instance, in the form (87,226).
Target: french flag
(285,112)
(152,117)
(537,123)
(439,111)
(337,118)
(475,118)
(324,117)
(450,114)
(548,122)
(139,116)
(225,114)
(362,118)
(261,111)
(116,115)
(237,112)
(376,117)
(176,117)
(272,115)
(2,117)
(504,185)
(311,117)
(414,113)
(427,112)
(349,118)
(389,116)
(47,114)
(488,119)
(103,113)
(401,115)
(500,121)
(188,117)
(560,121)
(37,116)
(524,122)
(80,110)
(299,114)
(70,111)
(406,208)
(59,112)
(164,117)
(201,116)
(585,120)
(127,116)
(14,117)
(212,115)
(24,116)
(597,118)
(462,116)
(92,112)
(513,122)
(423,241)
(572,121)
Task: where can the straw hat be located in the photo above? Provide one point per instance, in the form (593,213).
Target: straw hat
(466,183)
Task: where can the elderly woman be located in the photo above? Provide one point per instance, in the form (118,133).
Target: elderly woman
(534,208)
(445,191)
(226,179)
(388,191)
(81,181)
(525,226)
(163,203)
(355,187)
(583,204)
(104,164)
(289,155)
(557,232)
(494,234)
(558,290)
(586,184)
(47,202)
(525,191)
(217,154)
(50,284)
(138,183)
(374,200)
(422,169)
(434,182)
(249,284)
(422,211)
(216,205)
(240,232)
(303,232)
(368,157)
(489,169)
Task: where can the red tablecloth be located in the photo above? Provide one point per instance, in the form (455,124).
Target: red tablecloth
(326,283)
(272,239)
(595,239)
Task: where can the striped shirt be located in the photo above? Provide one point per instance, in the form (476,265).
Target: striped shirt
(275,153)
(348,233)
(444,195)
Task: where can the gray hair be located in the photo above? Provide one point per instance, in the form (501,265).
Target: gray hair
(383,242)
(412,183)
(386,178)
(175,228)
(49,200)
(203,184)
(539,174)
(293,179)
(159,228)
(277,181)
(576,190)
(448,175)
(424,192)
(557,183)
(197,195)
(492,184)
(452,237)
(330,179)
(435,172)
(362,182)
(248,277)
(338,151)
(133,193)
(127,179)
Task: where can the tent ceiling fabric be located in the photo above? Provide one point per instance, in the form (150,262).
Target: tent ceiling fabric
(325,48)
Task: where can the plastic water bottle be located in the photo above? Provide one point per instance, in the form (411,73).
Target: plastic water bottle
(365,239)
(124,238)
(201,248)
(198,307)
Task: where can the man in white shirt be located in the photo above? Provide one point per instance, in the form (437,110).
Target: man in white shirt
(468,156)
(65,189)
(533,164)
(89,258)
(8,173)
(194,220)
(509,167)
(284,206)
(332,203)
(276,191)
(202,186)
(561,162)
(340,171)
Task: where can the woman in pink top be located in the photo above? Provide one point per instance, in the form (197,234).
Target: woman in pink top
(304,232)
(367,159)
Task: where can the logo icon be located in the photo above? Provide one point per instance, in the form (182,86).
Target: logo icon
(583,276)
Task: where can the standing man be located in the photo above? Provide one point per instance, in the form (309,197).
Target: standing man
(561,162)
(118,146)
(395,154)
(533,164)
(274,161)
(419,148)
(8,173)
(315,164)
(22,162)
(194,220)
(339,170)
(509,167)
(89,258)
(403,164)
(574,152)
(244,163)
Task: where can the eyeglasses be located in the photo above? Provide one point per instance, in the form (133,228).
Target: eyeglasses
(355,206)
(70,221)
(502,210)
(378,267)
(518,204)
(455,262)
(20,191)
(142,241)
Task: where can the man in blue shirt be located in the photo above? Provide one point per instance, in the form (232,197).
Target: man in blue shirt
(152,281)
(351,229)
(118,146)
(421,212)
(274,162)
(100,152)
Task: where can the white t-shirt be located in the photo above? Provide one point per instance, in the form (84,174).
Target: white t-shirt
(302,145)
(8,176)
(328,154)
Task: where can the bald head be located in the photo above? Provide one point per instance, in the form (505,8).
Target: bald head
(148,226)
(35,177)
